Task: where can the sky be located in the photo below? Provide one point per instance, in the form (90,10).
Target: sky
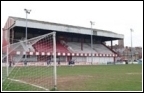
(115,16)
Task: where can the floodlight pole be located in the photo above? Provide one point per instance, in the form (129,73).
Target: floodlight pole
(27,12)
(92,23)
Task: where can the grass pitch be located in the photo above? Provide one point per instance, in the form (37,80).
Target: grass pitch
(77,78)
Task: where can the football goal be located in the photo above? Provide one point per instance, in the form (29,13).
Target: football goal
(30,65)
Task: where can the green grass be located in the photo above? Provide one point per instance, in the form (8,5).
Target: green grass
(80,78)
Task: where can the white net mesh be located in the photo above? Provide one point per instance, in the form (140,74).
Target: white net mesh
(29,64)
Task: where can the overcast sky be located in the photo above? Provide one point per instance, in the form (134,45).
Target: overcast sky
(115,16)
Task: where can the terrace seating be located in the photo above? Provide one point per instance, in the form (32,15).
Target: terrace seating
(45,47)
(76,47)
(102,49)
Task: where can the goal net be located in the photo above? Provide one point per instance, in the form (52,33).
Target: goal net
(30,65)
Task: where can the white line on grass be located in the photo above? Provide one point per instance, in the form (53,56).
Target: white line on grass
(28,83)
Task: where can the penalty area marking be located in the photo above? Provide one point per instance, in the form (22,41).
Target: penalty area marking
(132,73)
(28,83)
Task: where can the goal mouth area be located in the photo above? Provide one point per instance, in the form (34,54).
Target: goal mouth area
(24,82)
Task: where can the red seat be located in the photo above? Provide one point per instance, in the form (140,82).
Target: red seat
(46,47)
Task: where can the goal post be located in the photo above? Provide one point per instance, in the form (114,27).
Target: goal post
(55,69)
(38,72)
